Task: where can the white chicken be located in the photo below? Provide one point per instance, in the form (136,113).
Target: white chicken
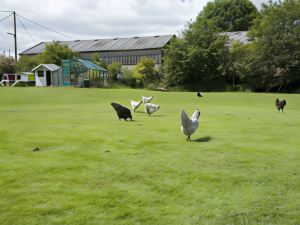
(151,108)
(189,125)
(135,105)
(147,99)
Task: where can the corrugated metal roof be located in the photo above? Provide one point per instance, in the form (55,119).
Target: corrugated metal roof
(51,67)
(115,44)
(240,36)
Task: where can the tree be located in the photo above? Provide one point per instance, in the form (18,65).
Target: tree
(175,62)
(55,52)
(27,63)
(198,58)
(114,70)
(230,15)
(7,65)
(237,52)
(145,71)
(248,67)
(273,59)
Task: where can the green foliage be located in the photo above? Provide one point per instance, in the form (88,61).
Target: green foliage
(114,70)
(27,63)
(145,71)
(236,54)
(198,58)
(276,48)
(7,65)
(55,52)
(128,77)
(175,62)
(230,15)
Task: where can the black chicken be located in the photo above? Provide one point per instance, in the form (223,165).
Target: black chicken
(280,104)
(198,94)
(122,112)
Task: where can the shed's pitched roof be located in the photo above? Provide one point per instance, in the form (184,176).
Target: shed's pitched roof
(115,44)
(51,67)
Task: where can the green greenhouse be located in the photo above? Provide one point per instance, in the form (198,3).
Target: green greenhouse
(79,72)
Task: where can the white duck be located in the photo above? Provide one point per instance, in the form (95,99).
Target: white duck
(135,105)
(147,99)
(189,126)
(151,108)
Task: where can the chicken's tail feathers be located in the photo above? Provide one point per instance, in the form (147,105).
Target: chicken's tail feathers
(184,119)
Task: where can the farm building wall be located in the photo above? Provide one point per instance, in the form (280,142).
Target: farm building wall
(126,58)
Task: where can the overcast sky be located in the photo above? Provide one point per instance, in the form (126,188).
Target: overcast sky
(94,19)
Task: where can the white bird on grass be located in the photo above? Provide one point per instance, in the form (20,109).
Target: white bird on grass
(189,125)
(135,105)
(151,108)
(147,99)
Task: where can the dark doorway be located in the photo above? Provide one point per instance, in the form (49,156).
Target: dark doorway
(48,77)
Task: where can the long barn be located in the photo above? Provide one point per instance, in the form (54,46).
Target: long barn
(127,51)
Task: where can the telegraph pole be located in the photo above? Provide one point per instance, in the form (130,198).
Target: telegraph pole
(15,36)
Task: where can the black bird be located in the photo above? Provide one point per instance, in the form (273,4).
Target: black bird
(122,112)
(199,95)
(280,104)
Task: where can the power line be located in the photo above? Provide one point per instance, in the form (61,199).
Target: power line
(5,17)
(46,27)
(25,29)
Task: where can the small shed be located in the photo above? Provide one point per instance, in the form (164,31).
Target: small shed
(48,75)
(27,76)
(83,73)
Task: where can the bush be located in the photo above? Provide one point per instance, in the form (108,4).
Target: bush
(128,78)
(7,65)
(114,70)
(145,71)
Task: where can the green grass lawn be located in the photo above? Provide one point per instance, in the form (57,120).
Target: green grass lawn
(242,167)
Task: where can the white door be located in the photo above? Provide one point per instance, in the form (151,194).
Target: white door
(40,79)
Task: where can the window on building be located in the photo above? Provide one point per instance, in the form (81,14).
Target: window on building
(40,73)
